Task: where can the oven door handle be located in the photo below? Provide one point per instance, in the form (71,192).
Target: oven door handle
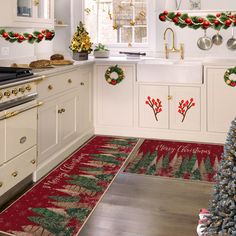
(14,113)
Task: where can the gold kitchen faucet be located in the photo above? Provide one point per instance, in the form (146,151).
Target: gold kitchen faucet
(173,48)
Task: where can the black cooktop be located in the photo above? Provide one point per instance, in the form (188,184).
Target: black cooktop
(12,73)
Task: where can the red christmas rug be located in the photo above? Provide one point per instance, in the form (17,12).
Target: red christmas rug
(176,159)
(62,201)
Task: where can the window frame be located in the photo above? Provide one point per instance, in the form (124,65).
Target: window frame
(151,30)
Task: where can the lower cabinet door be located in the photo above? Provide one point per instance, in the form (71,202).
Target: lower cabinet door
(67,118)
(153,106)
(221,109)
(185,107)
(47,129)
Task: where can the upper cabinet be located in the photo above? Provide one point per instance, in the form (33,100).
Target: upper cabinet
(27,13)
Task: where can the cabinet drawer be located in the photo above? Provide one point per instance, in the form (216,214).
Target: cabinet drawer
(58,83)
(17,169)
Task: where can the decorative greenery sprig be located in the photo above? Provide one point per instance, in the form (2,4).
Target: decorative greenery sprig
(219,21)
(101,47)
(36,36)
(156,105)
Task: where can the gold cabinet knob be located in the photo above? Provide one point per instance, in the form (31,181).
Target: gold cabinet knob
(1,184)
(170,97)
(60,111)
(14,91)
(28,87)
(69,81)
(63,110)
(7,93)
(14,174)
(22,89)
(1,96)
(82,83)
(50,87)
(33,161)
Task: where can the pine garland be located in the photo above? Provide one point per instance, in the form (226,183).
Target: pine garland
(35,37)
(219,21)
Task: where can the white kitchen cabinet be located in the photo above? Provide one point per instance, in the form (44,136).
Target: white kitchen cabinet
(2,142)
(115,103)
(57,124)
(160,107)
(65,121)
(27,13)
(220,99)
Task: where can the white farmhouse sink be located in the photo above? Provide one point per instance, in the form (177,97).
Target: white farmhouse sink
(170,71)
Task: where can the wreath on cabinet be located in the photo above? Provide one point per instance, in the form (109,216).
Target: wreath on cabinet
(120,75)
(227,74)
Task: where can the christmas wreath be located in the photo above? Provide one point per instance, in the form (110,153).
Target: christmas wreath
(229,81)
(114,69)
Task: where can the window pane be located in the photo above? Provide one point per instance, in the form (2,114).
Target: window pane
(140,34)
(126,35)
(115,21)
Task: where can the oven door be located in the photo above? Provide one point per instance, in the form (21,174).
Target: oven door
(20,124)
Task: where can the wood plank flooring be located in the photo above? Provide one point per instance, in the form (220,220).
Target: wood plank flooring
(137,205)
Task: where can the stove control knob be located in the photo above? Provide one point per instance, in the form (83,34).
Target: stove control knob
(1,96)
(15,91)
(28,87)
(22,89)
(7,94)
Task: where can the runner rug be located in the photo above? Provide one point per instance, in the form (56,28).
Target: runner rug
(176,159)
(61,202)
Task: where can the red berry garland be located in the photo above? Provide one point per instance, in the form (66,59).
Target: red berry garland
(220,20)
(36,36)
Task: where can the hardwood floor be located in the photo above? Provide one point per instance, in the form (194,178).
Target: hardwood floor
(138,205)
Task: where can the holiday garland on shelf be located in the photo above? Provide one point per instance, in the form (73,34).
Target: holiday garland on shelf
(229,81)
(219,21)
(36,36)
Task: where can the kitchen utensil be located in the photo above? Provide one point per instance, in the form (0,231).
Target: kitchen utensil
(204,43)
(217,39)
(231,43)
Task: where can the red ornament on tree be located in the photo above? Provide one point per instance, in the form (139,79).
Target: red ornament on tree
(42,31)
(40,37)
(206,24)
(176,19)
(228,22)
(165,12)
(218,15)
(162,18)
(30,36)
(216,22)
(188,21)
(178,14)
(21,38)
(231,16)
(48,35)
(5,35)
(200,20)
(16,34)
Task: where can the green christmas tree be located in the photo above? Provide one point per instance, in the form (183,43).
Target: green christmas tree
(54,222)
(223,206)
(208,165)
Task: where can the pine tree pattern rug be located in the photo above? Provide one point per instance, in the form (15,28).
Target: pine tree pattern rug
(184,160)
(62,201)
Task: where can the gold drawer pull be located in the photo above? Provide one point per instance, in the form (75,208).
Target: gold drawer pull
(50,87)
(14,174)
(33,162)
(82,83)
(1,184)
(23,139)
(170,97)
(69,81)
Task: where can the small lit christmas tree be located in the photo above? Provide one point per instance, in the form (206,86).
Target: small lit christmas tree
(222,220)
(81,40)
